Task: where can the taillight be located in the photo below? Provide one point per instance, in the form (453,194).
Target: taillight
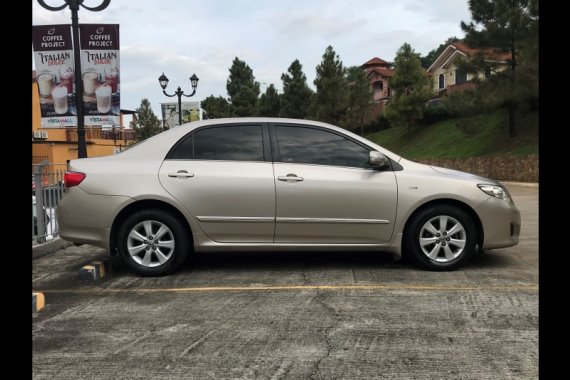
(71,179)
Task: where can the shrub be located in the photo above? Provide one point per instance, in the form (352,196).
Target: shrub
(377,125)
(433,114)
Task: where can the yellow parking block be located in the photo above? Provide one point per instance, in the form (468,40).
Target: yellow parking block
(38,301)
(94,271)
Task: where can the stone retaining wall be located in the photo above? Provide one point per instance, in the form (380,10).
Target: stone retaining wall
(503,168)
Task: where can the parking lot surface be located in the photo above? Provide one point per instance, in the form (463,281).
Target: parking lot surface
(293,316)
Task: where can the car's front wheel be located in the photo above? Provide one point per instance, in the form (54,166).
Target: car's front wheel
(153,242)
(440,237)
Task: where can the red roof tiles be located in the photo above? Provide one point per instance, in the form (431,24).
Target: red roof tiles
(376,62)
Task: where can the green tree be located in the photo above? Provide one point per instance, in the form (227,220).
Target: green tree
(434,53)
(359,98)
(242,88)
(507,26)
(331,99)
(296,93)
(410,86)
(147,124)
(269,103)
(215,107)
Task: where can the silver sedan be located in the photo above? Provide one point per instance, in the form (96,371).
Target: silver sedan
(267,184)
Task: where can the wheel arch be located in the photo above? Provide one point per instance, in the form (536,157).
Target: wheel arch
(449,202)
(142,205)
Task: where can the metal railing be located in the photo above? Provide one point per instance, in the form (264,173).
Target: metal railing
(91,134)
(47,190)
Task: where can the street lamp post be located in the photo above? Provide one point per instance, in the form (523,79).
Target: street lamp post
(74,7)
(163,80)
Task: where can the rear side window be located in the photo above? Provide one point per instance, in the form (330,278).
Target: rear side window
(231,143)
(319,147)
(184,150)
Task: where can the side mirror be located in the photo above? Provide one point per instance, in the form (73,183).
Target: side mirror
(378,160)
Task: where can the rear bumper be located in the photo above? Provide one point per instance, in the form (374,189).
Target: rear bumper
(86,218)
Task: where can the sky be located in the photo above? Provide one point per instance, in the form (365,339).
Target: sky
(182,37)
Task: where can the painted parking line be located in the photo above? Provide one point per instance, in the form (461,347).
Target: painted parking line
(506,288)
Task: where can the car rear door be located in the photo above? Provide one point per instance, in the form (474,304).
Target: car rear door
(326,193)
(223,176)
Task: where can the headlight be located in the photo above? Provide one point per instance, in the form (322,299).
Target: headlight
(495,191)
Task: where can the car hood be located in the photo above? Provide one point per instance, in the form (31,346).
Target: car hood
(460,174)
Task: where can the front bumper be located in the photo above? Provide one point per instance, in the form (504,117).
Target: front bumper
(501,222)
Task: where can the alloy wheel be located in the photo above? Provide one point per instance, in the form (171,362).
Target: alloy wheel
(442,238)
(150,243)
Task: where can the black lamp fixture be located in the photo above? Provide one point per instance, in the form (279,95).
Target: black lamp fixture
(163,80)
(194,81)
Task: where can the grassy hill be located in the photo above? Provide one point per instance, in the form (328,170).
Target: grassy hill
(474,136)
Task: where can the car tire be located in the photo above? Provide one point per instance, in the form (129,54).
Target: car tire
(153,242)
(436,247)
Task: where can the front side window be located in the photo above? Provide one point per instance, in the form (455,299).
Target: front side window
(231,143)
(441,81)
(319,147)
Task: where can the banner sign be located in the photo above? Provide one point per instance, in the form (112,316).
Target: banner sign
(99,45)
(190,112)
(53,56)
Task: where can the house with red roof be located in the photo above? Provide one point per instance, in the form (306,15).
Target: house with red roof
(378,72)
(448,77)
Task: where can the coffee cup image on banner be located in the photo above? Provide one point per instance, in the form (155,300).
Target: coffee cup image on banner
(103,95)
(59,98)
(45,84)
(66,77)
(112,78)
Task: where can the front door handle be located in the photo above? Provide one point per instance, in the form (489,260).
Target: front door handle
(290,178)
(181,173)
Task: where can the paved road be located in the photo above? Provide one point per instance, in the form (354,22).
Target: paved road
(294,316)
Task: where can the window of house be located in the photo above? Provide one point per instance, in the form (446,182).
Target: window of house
(319,147)
(378,86)
(235,143)
(441,81)
(460,76)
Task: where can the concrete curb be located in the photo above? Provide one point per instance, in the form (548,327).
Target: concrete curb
(38,301)
(523,184)
(49,247)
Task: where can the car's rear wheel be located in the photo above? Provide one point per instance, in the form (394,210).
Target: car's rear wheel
(440,237)
(153,242)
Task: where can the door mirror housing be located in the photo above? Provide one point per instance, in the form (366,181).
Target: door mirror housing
(378,160)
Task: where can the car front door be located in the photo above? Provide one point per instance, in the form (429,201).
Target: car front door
(224,178)
(326,191)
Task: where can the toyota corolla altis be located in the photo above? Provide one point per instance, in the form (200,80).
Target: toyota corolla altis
(268,184)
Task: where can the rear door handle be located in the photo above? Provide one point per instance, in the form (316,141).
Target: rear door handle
(290,178)
(181,173)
